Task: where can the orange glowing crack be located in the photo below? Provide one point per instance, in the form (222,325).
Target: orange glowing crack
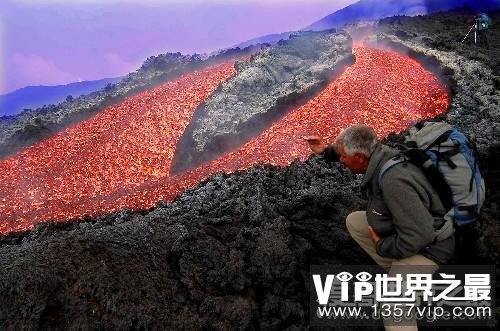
(120,158)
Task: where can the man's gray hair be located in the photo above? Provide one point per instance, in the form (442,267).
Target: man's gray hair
(358,139)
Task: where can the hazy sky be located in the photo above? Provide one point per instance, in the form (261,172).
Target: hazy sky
(50,42)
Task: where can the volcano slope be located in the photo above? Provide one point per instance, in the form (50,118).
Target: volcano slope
(127,144)
(129,168)
(230,253)
(473,74)
(33,125)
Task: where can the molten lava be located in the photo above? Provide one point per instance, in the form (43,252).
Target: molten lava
(120,158)
(120,148)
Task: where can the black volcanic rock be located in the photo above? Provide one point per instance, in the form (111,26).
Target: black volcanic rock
(231,253)
(276,80)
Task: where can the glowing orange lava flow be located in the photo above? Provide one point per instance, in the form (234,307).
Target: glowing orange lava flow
(120,148)
(120,158)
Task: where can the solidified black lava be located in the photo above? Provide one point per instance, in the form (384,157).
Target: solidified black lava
(230,253)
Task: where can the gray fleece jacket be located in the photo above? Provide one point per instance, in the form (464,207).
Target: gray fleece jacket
(404,210)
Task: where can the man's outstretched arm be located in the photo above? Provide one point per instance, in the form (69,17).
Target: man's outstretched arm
(317,145)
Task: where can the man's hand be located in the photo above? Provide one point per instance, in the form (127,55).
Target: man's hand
(373,235)
(316,144)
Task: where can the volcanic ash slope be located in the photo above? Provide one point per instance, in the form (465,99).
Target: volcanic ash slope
(276,80)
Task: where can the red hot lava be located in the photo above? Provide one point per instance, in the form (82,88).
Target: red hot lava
(120,158)
(124,146)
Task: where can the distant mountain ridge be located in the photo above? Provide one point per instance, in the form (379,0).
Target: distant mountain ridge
(269,38)
(368,10)
(376,9)
(32,97)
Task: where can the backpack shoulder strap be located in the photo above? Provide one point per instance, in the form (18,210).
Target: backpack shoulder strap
(388,165)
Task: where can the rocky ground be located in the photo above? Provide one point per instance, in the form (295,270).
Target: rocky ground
(474,70)
(234,251)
